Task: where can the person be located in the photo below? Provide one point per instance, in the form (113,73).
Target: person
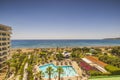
(35,78)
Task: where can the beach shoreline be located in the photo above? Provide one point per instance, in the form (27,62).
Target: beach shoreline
(54,48)
(65,47)
(63,43)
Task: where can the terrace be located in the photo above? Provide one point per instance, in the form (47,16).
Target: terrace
(94,62)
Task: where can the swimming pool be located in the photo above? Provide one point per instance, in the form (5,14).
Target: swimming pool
(68,71)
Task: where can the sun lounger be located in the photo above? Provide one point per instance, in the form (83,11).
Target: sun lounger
(66,63)
(57,63)
(70,63)
(61,63)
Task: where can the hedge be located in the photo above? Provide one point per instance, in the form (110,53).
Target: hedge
(114,70)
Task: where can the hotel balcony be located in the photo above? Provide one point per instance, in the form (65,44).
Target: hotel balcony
(5,32)
(2,56)
(2,66)
(2,60)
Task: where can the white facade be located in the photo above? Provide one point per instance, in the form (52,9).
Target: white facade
(5,32)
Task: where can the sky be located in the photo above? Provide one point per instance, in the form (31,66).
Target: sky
(61,19)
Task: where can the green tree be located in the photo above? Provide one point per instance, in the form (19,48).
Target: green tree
(59,56)
(114,70)
(49,71)
(73,55)
(40,75)
(116,51)
(8,66)
(60,71)
(85,50)
(30,73)
(19,51)
(15,66)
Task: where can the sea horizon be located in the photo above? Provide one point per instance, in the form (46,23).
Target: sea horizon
(58,39)
(53,43)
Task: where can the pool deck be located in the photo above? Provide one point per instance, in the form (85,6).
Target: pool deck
(73,64)
(65,78)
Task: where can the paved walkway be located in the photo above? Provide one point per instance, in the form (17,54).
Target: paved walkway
(77,68)
(25,71)
(17,78)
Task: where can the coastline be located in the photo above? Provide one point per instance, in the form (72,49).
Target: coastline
(65,47)
(53,48)
(63,43)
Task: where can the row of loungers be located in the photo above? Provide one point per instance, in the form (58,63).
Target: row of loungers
(63,63)
(93,64)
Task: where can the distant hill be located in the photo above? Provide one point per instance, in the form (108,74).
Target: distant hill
(113,38)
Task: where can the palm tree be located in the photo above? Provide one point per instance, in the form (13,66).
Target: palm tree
(15,65)
(30,73)
(60,71)
(36,51)
(19,51)
(49,71)
(40,74)
(8,66)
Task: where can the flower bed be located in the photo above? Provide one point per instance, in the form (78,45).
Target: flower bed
(86,66)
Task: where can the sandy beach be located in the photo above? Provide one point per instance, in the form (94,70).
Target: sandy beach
(59,48)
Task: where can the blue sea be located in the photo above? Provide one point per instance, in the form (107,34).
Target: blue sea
(62,43)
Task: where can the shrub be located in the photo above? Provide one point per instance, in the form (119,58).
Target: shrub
(114,70)
(98,73)
(95,73)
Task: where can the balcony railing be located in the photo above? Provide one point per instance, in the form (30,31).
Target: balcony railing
(2,56)
(2,66)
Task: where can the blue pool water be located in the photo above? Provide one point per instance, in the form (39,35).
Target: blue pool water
(68,70)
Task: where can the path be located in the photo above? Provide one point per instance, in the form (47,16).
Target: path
(25,71)
(17,78)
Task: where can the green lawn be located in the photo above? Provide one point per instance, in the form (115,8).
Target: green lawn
(116,77)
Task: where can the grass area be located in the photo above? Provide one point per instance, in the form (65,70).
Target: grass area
(115,77)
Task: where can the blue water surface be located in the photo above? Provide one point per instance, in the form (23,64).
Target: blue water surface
(62,43)
(68,71)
